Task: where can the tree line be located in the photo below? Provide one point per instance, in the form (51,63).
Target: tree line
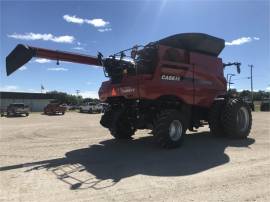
(257,96)
(66,98)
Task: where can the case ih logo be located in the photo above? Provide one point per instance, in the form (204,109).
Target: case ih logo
(127,90)
(171,78)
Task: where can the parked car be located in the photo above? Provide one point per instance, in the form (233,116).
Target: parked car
(54,108)
(250,103)
(2,111)
(16,109)
(91,107)
(68,107)
(265,105)
(104,106)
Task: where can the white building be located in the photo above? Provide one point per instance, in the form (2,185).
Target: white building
(35,101)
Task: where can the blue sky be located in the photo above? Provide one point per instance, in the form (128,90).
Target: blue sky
(109,26)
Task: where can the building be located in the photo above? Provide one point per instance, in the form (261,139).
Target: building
(35,101)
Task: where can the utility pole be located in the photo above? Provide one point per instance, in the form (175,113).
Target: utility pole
(251,81)
(77,92)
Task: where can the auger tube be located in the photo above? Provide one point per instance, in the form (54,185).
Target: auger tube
(21,54)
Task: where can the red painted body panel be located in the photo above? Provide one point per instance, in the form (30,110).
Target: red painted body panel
(201,80)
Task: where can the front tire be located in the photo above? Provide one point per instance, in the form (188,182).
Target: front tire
(237,119)
(121,127)
(170,128)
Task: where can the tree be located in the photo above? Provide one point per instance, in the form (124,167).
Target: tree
(257,96)
(62,97)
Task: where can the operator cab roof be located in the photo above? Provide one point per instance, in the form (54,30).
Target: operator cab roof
(196,42)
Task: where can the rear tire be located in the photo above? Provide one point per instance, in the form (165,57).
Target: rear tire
(237,119)
(170,128)
(214,119)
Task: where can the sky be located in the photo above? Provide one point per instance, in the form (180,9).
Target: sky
(110,26)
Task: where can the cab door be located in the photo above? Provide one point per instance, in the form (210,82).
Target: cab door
(176,74)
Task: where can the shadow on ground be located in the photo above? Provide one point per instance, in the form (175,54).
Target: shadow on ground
(110,161)
(15,116)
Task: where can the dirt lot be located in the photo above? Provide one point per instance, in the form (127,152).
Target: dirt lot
(72,158)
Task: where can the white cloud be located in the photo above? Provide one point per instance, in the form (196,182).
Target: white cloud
(268,89)
(57,69)
(89,83)
(78,48)
(23,68)
(105,29)
(42,60)
(96,22)
(89,94)
(31,90)
(73,19)
(9,88)
(240,41)
(44,37)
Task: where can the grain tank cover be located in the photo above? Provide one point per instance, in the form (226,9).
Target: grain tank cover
(197,42)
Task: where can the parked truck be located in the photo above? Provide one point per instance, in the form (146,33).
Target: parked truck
(16,109)
(54,109)
(91,107)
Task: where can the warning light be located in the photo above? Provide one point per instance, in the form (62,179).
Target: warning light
(114,92)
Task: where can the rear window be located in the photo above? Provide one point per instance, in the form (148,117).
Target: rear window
(147,60)
(174,55)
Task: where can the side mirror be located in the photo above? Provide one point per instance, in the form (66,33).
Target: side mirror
(237,64)
(238,68)
(100,57)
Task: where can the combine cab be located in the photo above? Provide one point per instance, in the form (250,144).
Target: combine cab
(168,86)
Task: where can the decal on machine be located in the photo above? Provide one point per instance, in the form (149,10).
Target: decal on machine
(171,77)
(125,90)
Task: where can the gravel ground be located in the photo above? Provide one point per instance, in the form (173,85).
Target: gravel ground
(72,158)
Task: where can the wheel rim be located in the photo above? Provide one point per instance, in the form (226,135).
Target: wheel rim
(175,130)
(242,119)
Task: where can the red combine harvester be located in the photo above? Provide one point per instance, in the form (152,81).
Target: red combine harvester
(168,86)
